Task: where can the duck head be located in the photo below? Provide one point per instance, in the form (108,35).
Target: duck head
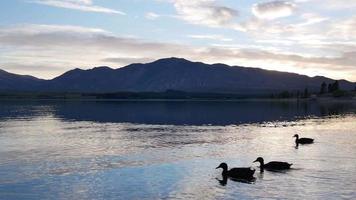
(260,160)
(296,136)
(223,166)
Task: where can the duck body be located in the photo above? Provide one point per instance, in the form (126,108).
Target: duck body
(238,173)
(276,165)
(273,165)
(243,173)
(303,140)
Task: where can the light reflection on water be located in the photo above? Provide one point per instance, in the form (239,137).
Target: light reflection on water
(49,152)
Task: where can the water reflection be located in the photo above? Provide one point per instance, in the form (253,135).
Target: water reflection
(47,152)
(225,179)
(176,112)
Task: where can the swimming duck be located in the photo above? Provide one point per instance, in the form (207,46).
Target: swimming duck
(274,165)
(238,173)
(302,140)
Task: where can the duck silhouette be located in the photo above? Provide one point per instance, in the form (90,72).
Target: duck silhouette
(302,140)
(272,166)
(236,173)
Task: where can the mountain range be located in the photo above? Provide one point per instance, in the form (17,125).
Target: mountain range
(169,74)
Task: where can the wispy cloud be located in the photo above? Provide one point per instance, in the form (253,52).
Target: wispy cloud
(206,12)
(342,5)
(82,5)
(273,9)
(211,37)
(152,15)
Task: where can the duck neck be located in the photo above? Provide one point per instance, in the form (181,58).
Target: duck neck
(296,139)
(224,172)
(262,164)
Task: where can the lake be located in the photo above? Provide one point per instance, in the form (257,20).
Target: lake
(169,150)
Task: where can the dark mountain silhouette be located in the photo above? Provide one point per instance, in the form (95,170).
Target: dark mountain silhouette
(170,74)
(15,82)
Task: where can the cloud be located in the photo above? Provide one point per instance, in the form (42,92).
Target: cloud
(310,33)
(211,37)
(65,47)
(127,60)
(152,15)
(273,9)
(82,5)
(33,29)
(342,5)
(344,29)
(29,47)
(311,19)
(317,31)
(205,12)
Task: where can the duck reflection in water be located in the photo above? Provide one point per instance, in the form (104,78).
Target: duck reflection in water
(225,178)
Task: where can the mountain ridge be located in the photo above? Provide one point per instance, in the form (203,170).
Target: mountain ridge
(169,74)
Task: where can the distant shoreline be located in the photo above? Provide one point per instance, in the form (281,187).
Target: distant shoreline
(170,95)
(307,100)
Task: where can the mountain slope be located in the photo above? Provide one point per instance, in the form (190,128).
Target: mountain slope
(183,75)
(14,82)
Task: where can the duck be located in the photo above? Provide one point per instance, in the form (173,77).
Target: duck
(274,165)
(302,140)
(237,173)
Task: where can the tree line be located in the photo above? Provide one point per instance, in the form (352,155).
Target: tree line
(331,88)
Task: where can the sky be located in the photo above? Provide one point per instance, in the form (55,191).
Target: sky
(45,38)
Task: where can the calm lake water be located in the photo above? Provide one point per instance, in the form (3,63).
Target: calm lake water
(169,150)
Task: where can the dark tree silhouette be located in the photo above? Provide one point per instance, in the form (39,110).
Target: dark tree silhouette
(329,88)
(323,88)
(332,87)
(335,86)
(284,94)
